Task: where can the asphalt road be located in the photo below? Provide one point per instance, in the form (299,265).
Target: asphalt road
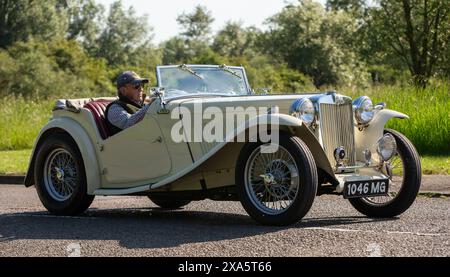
(132,226)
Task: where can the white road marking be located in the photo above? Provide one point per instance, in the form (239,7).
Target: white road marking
(374,232)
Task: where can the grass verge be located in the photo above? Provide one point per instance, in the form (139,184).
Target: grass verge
(16,162)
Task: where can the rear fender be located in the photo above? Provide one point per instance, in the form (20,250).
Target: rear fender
(84,143)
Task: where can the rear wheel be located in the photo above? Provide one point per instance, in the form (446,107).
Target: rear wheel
(404,171)
(60,176)
(277,188)
(170,204)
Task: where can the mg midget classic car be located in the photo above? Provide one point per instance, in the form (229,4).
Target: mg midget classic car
(208,135)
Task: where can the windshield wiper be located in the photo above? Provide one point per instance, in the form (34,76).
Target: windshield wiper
(188,69)
(227,69)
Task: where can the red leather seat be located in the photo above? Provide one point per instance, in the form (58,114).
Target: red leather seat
(97,109)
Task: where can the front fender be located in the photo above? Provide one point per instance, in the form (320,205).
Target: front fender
(84,143)
(368,137)
(280,121)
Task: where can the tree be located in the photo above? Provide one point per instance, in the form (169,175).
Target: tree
(234,41)
(196,25)
(356,7)
(192,45)
(22,19)
(417,31)
(175,51)
(84,17)
(124,33)
(56,68)
(317,43)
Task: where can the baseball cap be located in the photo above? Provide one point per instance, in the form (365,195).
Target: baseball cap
(130,77)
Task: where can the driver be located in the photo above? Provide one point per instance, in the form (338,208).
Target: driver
(129,109)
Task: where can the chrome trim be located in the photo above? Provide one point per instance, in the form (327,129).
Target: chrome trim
(357,110)
(342,169)
(337,129)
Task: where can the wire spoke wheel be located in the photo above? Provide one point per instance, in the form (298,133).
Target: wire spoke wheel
(395,170)
(404,172)
(271,180)
(60,174)
(277,185)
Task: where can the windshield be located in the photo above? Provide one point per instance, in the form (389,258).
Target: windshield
(186,80)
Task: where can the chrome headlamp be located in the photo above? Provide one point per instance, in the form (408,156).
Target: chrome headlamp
(303,109)
(364,111)
(387,147)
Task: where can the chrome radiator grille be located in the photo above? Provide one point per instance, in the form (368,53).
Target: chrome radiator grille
(336,124)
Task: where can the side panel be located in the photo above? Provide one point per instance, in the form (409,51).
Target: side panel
(212,165)
(279,119)
(136,154)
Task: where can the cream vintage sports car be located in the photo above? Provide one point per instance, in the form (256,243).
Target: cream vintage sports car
(209,136)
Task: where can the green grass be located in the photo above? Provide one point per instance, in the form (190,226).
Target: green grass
(436,165)
(428,128)
(429,111)
(21,120)
(16,162)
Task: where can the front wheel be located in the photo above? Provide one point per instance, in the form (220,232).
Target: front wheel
(404,171)
(277,187)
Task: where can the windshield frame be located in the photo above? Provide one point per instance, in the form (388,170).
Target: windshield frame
(193,66)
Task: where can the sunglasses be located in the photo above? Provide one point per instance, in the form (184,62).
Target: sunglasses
(138,86)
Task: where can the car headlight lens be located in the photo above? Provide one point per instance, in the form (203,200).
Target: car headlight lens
(364,111)
(303,109)
(387,147)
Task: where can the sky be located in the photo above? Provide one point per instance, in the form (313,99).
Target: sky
(162,14)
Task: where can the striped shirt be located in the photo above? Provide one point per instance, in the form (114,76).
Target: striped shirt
(120,118)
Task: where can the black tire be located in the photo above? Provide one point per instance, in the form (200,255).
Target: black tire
(78,201)
(170,204)
(307,179)
(412,178)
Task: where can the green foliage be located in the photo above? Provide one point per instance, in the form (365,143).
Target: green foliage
(14,162)
(192,46)
(196,25)
(84,22)
(22,19)
(419,39)
(278,78)
(21,121)
(429,124)
(54,69)
(124,33)
(235,41)
(317,43)
(428,127)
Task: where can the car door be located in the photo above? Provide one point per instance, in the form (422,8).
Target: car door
(136,154)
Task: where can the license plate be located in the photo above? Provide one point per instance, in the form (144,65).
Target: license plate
(360,189)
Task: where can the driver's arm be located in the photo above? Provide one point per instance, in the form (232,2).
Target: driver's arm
(120,118)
